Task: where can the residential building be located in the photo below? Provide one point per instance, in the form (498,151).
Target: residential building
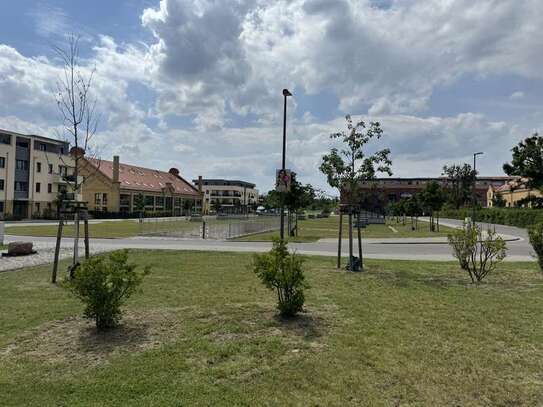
(514,193)
(227,193)
(111,186)
(32,170)
(393,189)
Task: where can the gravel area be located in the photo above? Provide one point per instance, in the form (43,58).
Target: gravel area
(45,254)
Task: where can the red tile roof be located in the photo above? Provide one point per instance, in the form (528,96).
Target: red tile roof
(144,179)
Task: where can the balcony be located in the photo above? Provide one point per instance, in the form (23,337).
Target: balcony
(59,179)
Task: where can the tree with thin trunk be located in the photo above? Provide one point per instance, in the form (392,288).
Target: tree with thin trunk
(346,168)
(77,108)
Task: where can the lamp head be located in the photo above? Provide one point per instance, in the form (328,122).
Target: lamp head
(286,92)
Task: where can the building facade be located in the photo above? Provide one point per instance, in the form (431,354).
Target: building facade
(32,174)
(111,186)
(227,193)
(394,189)
(514,193)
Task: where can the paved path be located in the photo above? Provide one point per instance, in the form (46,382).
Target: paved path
(434,249)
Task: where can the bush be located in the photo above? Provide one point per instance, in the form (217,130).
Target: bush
(104,283)
(282,272)
(519,217)
(536,240)
(478,255)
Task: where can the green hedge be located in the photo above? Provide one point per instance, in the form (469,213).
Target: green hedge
(520,217)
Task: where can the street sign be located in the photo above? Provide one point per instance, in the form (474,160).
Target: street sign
(283,179)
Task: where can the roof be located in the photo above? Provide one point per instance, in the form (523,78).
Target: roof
(43,138)
(224,182)
(144,179)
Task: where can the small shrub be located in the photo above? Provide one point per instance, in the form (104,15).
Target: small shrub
(536,240)
(478,255)
(282,272)
(104,283)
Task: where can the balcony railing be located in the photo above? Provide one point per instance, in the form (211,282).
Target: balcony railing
(61,179)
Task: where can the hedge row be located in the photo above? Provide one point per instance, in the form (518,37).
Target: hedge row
(520,217)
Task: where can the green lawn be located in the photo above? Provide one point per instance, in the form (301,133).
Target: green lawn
(117,229)
(311,230)
(204,332)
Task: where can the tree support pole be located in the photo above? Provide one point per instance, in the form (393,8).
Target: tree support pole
(360,244)
(57,251)
(339,238)
(350,240)
(87,249)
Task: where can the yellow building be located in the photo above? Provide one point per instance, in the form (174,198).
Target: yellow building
(32,171)
(111,186)
(513,193)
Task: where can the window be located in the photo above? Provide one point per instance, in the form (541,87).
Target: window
(2,162)
(5,138)
(21,186)
(42,147)
(160,201)
(37,207)
(38,167)
(1,184)
(62,150)
(98,198)
(2,207)
(50,168)
(49,188)
(21,165)
(104,199)
(38,187)
(149,200)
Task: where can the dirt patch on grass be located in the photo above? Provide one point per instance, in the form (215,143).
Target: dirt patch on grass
(251,321)
(75,340)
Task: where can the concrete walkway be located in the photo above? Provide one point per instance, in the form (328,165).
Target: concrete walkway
(432,249)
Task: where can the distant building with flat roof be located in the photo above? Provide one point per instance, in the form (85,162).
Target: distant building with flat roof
(393,189)
(227,193)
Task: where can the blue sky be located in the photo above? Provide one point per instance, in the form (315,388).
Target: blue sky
(196,84)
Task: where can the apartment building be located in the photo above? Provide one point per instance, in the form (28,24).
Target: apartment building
(227,193)
(31,174)
(393,189)
(112,186)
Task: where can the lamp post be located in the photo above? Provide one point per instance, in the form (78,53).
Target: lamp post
(286,93)
(474,185)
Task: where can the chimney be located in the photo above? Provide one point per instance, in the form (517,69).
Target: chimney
(200,183)
(174,172)
(115,168)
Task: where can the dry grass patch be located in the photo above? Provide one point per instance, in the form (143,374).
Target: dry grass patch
(76,341)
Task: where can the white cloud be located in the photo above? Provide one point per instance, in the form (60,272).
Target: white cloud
(517,95)
(213,57)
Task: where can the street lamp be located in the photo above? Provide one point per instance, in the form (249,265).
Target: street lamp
(474,185)
(286,93)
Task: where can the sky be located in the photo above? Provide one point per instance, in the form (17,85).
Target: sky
(197,84)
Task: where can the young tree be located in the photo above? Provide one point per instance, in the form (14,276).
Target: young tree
(412,208)
(347,167)
(527,161)
(77,108)
(432,199)
(139,203)
(460,182)
(478,254)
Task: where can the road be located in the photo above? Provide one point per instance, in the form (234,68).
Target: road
(434,249)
